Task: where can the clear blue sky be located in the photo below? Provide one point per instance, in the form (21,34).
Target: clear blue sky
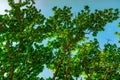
(47,5)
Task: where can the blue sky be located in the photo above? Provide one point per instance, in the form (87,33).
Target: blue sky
(47,5)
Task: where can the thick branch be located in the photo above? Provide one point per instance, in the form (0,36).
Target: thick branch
(59,64)
(68,69)
(65,48)
(108,72)
(11,73)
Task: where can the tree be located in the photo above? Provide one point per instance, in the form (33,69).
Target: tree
(21,57)
(69,53)
(69,35)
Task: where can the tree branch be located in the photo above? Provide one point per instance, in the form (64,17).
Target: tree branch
(11,73)
(8,45)
(58,66)
(67,71)
(107,73)
(65,48)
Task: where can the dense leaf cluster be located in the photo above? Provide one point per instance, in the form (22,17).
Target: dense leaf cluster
(68,52)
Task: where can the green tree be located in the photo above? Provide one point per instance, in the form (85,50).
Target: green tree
(68,53)
(74,56)
(21,57)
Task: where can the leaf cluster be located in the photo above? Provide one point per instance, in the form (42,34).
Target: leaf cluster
(68,52)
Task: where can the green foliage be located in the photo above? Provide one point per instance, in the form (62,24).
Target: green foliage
(117,33)
(69,33)
(21,57)
(68,52)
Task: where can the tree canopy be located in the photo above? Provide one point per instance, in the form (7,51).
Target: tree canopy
(68,53)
